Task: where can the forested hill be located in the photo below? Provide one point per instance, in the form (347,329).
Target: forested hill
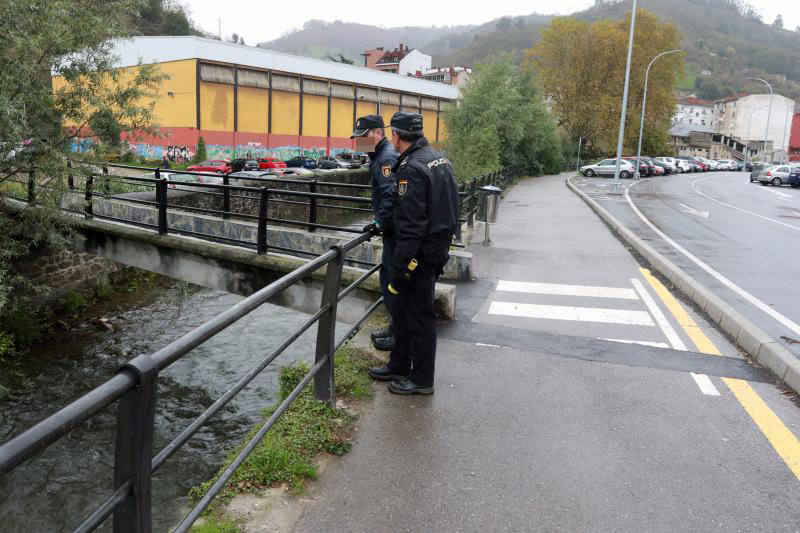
(723,37)
(331,39)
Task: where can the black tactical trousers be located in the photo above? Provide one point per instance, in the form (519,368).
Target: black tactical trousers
(415,328)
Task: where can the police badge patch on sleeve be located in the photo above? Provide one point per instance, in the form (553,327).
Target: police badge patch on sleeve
(386,170)
(402,187)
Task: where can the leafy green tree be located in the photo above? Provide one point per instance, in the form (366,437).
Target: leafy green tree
(501,120)
(201,154)
(41,117)
(778,21)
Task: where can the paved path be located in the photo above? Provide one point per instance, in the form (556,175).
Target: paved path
(539,424)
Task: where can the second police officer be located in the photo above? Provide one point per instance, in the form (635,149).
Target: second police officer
(370,136)
(425,220)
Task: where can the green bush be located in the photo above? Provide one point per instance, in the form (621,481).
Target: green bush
(200,154)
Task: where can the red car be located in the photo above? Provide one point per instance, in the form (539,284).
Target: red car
(270,162)
(216,165)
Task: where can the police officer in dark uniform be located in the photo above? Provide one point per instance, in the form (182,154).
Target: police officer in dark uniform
(425,220)
(370,137)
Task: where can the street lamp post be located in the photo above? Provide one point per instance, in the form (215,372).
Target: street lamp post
(766,133)
(578,166)
(615,185)
(644,104)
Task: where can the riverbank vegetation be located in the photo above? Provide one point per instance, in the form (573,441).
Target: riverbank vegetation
(289,453)
(41,120)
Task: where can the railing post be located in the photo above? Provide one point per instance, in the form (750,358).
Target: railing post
(106,185)
(263,210)
(226,198)
(87,202)
(472,202)
(312,206)
(324,386)
(460,211)
(134,448)
(161,203)
(70,177)
(32,185)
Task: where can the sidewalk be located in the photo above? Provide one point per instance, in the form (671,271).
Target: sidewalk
(539,424)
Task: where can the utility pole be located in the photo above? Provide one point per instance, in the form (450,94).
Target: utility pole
(219,28)
(578,166)
(644,105)
(766,133)
(615,185)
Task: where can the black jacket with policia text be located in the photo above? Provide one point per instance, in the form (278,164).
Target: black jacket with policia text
(426,210)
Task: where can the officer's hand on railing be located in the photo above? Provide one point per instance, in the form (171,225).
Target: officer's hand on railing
(373,228)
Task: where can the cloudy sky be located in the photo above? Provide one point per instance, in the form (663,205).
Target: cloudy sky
(259,20)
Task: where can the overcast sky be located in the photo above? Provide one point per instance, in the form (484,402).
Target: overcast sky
(259,20)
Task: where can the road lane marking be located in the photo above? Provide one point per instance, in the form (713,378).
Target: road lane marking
(701,193)
(566,290)
(783,441)
(705,384)
(643,343)
(785,321)
(693,211)
(579,314)
(661,320)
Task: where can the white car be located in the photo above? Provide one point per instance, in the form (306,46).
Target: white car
(607,167)
(681,164)
(669,163)
(727,164)
(712,165)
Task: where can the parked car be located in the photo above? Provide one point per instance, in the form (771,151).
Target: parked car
(670,164)
(302,162)
(653,167)
(727,164)
(607,167)
(644,168)
(692,166)
(240,164)
(178,176)
(774,175)
(245,178)
(710,164)
(270,162)
(702,165)
(794,177)
(746,166)
(757,169)
(353,159)
(218,166)
(333,162)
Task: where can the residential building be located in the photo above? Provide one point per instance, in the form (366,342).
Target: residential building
(402,60)
(694,111)
(744,117)
(794,136)
(457,76)
(250,101)
(693,141)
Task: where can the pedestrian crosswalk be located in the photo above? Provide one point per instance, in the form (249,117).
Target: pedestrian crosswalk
(579,314)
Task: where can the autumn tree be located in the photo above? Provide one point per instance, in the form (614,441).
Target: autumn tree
(501,120)
(582,70)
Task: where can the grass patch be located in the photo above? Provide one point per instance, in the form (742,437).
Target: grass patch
(288,452)
(215,524)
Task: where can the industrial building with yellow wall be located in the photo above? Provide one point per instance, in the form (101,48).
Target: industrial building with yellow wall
(246,101)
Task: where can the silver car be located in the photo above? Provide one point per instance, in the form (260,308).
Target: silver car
(775,175)
(607,167)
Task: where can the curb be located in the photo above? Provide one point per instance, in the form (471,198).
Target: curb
(746,335)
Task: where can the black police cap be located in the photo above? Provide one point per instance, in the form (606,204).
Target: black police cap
(366,123)
(407,122)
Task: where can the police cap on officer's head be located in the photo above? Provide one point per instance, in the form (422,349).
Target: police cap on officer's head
(366,123)
(406,122)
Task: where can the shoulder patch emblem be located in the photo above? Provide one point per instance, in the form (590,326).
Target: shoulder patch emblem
(402,187)
(386,170)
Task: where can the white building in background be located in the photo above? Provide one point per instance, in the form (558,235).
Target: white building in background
(744,117)
(693,111)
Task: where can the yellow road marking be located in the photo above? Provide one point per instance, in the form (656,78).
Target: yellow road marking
(783,441)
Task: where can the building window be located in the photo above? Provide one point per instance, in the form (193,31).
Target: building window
(704,122)
(690,121)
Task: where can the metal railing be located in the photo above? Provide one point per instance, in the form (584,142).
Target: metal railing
(135,385)
(470,193)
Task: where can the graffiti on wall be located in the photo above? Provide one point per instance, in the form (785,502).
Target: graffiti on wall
(81,145)
(255,150)
(179,154)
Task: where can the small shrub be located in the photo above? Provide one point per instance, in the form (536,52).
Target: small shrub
(73,302)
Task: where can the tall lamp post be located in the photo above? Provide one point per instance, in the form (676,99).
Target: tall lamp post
(615,185)
(644,104)
(578,165)
(766,133)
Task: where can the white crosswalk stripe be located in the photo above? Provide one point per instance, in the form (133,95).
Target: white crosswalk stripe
(566,290)
(580,314)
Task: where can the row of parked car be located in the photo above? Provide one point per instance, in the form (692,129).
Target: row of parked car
(658,166)
(776,175)
(330,162)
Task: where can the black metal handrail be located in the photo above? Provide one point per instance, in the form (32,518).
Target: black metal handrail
(134,389)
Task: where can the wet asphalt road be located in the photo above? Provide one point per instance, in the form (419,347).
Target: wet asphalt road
(747,233)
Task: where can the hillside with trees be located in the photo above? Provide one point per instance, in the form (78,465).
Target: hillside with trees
(726,42)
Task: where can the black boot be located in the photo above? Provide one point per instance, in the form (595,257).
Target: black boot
(406,386)
(381,333)
(384,344)
(384,373)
